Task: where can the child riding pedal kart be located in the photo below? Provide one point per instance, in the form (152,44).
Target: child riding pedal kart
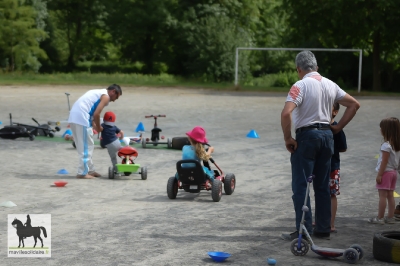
(192,177)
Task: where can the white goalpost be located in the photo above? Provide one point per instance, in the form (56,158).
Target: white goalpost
(299,49)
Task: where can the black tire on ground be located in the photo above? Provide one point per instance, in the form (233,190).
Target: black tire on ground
(386,246)
(73,144)
(303,247)
(172,187)
(51,134)
(229,183)
(351,255)
(31,137)
(57,128)
(178,142)
(143,172)
(110,172)
(216,190)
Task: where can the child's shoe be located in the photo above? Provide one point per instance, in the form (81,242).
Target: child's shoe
(376,220)
(390,220)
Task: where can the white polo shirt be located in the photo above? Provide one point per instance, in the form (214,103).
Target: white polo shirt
(83,109)
(314,96)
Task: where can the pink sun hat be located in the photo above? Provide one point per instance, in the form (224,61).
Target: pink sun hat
(198,134)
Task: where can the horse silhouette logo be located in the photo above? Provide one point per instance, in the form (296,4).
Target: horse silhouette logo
(37,226)
(24,231)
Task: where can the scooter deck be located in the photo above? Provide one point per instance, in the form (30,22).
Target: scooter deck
(327,252)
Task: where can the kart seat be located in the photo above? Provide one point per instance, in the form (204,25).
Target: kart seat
(192,174)
(128,151)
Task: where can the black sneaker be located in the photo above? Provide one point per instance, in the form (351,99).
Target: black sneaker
(292,236)
(326,236)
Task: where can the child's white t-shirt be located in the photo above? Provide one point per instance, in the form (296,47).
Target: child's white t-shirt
(394,158)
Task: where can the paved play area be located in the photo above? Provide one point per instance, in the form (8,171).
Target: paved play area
(129,221)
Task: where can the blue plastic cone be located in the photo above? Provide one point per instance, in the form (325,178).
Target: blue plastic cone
(68,131)
(140,127)
(253,134)
(62,172)
(1,122)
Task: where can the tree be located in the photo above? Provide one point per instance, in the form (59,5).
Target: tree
(142,30)
(20,36)
(81,26)
(367,24)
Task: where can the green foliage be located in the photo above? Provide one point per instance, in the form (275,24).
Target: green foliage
(285,79)
(370,25)
(19,36)
(213,40)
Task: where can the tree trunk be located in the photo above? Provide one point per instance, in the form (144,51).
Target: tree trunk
(70,62)
(149,54)
(376,62)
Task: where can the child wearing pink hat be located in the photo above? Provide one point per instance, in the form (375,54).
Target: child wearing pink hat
(196,151)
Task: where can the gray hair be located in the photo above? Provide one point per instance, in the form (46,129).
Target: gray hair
(305,60)
(115,87)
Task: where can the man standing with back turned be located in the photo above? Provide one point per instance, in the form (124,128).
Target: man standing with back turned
(311,100)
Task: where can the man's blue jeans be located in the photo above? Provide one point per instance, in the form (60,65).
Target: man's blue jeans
(313,156)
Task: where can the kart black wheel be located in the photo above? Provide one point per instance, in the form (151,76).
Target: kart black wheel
(51,134)
(359,250)
(178,142)
(124,162)
(216,190)
(143,143)
(229,183)
(73,144)
(143,172)
(57,128)
(172,187)
(111,173)
(351,255)
(302,251)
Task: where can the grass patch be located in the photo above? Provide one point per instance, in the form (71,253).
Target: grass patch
(279,82)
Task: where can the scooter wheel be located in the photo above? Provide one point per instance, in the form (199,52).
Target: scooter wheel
(359,250)
(143,143)
(302,251)
(351,255)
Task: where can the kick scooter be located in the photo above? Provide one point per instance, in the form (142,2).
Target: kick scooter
(300,246)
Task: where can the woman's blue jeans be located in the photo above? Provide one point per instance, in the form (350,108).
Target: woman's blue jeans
(313,156)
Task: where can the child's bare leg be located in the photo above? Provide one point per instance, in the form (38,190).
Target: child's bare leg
(382,202)
(333,211)
(391,203)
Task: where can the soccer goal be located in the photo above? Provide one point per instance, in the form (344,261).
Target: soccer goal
(298,49)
